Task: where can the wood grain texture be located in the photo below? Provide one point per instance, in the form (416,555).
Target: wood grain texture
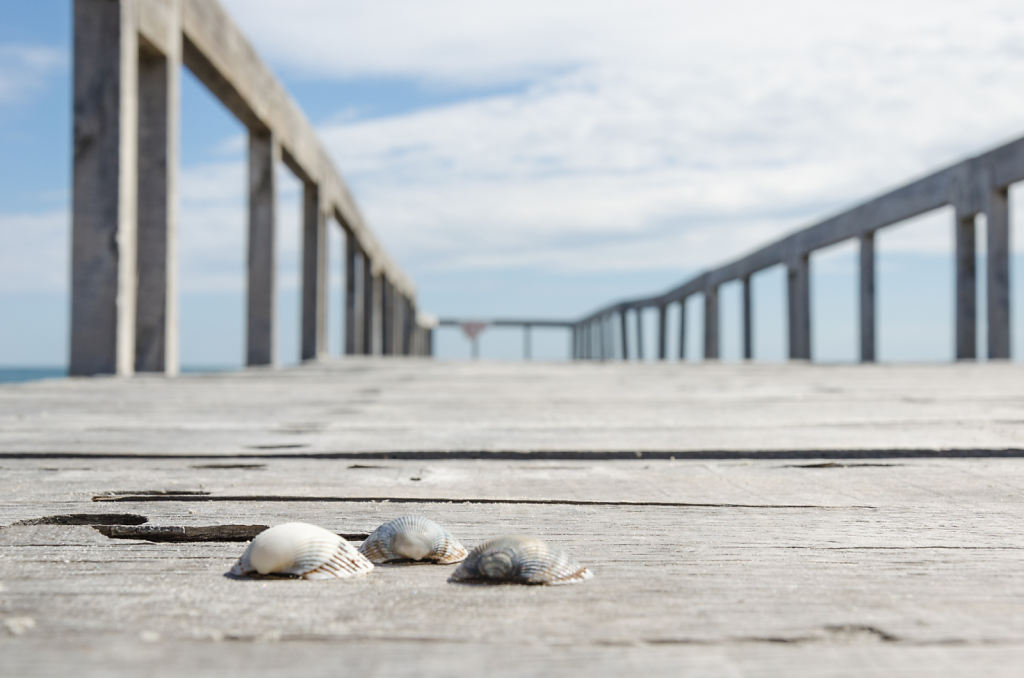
(837,558)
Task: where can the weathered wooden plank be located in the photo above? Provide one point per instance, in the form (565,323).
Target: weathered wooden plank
(367,405)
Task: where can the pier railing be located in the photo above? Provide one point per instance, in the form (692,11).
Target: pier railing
(978,185)
(127,63)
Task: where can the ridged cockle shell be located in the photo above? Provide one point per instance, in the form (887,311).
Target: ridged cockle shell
(519,559)
(301,550)
(412,538)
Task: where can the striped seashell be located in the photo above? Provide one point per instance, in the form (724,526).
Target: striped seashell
(519,559)
(301,550)
(412,538)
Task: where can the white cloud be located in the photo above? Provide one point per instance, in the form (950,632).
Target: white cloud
(35,256)
(637,134)
(23,68)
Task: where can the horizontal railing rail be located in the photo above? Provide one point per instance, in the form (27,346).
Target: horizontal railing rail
(128,56)
(474,326)
(977,185)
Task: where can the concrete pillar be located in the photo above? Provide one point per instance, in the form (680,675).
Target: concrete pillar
(639,312)
(662,331)
(352,302)
(997,274)
(966,286)
(748,321)
(799,308)
(369,307)
(867,298)
(105,185)
(156,319)
(264,153)
(711,323)
(682,329)
(314,274)
(624,333)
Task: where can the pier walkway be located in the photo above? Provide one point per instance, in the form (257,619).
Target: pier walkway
(740,520)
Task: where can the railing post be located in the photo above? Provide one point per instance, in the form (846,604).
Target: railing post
(264,153)
(408,324)
(608,326)
(624,333)
(639,313)
(156,319)
(354,311)
(799,308)
(387,317)
(966,286)
(370,314)
(662,331)
(867,297)
(599,331)
(314,273)
(711,323)
(997,273)
(526,342)
(682,329)
(748,324)
(104,202)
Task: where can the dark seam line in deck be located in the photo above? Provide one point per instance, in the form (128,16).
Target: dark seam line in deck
(565,455)
(455,500)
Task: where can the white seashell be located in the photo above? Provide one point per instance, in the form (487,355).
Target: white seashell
(412,538)
(519,559)
(301,550)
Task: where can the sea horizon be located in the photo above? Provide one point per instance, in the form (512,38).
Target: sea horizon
(11,374)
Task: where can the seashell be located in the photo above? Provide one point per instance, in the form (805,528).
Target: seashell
(412,538)
(519,559)
(301,550)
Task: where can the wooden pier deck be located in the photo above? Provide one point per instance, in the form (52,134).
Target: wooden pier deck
(754,520)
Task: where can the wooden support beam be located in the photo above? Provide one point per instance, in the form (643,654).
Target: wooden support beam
(662,331)
(966,286)
(104,192)
(639,333)
(264,154)
(747,319)
(314,273)
(156,318)
(370,313)
(682,329)
(799,308)
(387,317)
(867,298)
(711,323)
(624,333)
(354,315)
(997,274)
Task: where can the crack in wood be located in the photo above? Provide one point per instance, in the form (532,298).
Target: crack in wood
(563,455)
(455,500)
(189,533)
(86,519)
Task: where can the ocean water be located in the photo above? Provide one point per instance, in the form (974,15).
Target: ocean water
(16,374)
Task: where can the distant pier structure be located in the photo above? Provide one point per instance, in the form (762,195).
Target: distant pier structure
(124,315)
(127,63)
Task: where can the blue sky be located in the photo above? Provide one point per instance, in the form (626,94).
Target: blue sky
(544,158)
